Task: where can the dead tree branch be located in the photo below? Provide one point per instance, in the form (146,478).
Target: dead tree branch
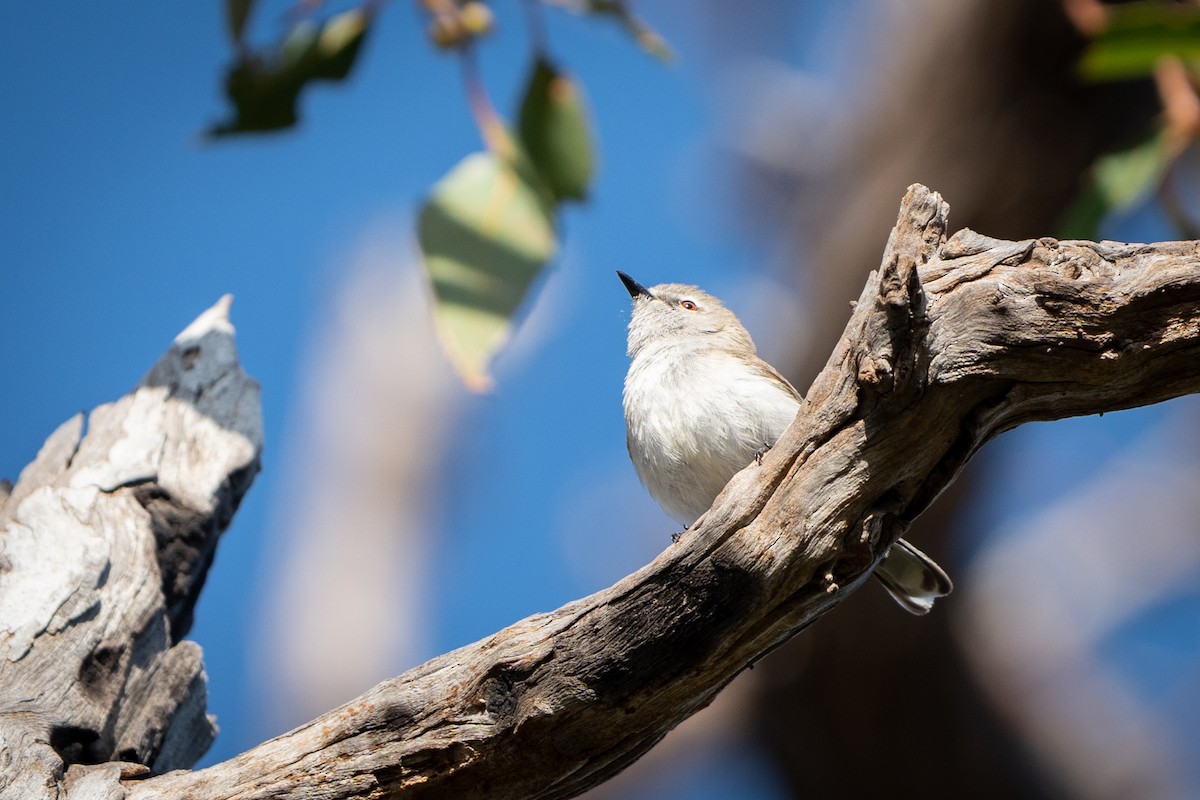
(105,541)
(951,342)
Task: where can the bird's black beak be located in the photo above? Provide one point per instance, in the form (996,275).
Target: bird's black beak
(635,288)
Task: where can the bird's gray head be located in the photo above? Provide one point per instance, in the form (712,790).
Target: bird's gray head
(678,315)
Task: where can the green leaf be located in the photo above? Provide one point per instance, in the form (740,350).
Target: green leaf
(237,14)
(554,130)
(485,233)
(339,44)
(1125,177)
(1137,36)
(1119,181)
(263,98)
(264,89)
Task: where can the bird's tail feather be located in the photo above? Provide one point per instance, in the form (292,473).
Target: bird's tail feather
(912,578)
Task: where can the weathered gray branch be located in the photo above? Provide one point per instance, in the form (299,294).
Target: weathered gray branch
(105,541)
(951,342)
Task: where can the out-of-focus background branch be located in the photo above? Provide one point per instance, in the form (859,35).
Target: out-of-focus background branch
(756,164)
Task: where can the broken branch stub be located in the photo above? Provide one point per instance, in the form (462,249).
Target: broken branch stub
(105,541)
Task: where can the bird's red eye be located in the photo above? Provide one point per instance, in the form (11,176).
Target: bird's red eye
(689,305)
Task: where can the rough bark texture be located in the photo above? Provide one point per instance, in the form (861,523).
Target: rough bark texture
(950,343)
(105,541)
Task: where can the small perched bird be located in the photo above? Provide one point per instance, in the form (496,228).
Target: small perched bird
(700,405)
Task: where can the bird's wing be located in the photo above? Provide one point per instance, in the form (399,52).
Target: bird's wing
(772,374)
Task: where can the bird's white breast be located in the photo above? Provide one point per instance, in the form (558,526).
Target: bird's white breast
(693,422)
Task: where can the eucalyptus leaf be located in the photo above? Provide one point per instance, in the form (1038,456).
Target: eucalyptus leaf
(485,234)
(339,44)
(1125,177)
(555,132)
(1137,36)
(265,88)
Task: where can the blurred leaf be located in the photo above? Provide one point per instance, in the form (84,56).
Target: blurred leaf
(1137,36)
(298,49)
(485,233)
(1119,181)
(237,13)
(264,89)
(264,99)
(1129,175)
(554,130)
(339,44)
(643,34)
